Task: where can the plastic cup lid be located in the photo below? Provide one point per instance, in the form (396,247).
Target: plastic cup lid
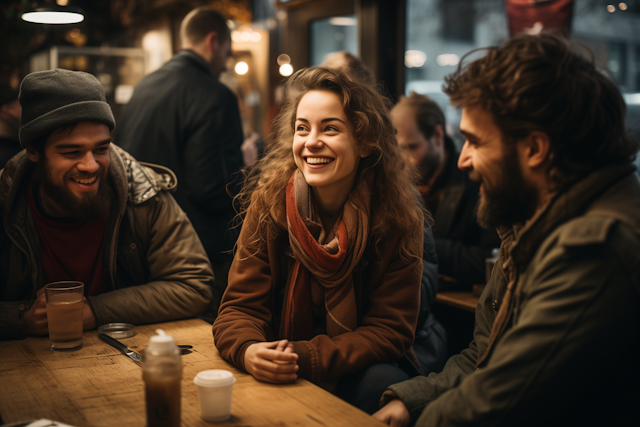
(214,378)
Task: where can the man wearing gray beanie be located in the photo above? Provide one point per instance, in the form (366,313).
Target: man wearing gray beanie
(76,207)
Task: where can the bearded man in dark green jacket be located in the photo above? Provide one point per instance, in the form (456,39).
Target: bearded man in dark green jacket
(557,333)
(76,207)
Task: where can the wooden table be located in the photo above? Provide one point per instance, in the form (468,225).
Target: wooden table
(460,299)
(99,386)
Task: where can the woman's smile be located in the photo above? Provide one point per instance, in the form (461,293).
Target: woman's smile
(319,162)
(324,148)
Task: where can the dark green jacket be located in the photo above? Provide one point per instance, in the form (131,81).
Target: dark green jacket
(568,353)
(155,264)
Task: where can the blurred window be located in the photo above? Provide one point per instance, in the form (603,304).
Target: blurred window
(333,35)
(440,32)
(458,20)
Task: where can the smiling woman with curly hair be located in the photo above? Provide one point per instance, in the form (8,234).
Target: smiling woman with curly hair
(325,281)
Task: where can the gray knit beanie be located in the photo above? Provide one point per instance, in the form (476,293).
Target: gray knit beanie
(57,98)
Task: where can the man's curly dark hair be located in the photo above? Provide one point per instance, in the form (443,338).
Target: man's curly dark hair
(542,83)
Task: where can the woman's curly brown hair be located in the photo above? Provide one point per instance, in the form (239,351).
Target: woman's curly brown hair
(541,83)
(395,203)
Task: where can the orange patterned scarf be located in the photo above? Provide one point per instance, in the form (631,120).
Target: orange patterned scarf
(331,263)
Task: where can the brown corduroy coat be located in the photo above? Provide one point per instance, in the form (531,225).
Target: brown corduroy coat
(387,295)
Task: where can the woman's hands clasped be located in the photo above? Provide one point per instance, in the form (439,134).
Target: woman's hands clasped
(394,414)
(272,362)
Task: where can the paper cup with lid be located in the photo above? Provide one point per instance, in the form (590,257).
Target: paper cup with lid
(215,389)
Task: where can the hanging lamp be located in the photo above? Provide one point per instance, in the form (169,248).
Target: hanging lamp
(54,14)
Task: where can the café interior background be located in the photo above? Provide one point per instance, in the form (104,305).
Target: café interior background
(410,45)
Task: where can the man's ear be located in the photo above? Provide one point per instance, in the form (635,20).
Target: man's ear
(33,154)
(212,42)
(438,135)
(537,147)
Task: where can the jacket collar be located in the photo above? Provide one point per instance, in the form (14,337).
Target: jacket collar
(142,180)
(187,56)
(523,240)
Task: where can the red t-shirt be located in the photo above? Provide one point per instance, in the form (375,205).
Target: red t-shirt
(70,249)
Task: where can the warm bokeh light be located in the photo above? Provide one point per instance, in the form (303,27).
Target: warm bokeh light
(286,70)
(52,17)
(622,6)
(242,68)
(414,58)
(157,48)
(62,2)
(447,59)
(343,21)
(284,59)
(245,34)
(611,8)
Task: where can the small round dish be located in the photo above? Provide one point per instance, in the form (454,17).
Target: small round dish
(118,330)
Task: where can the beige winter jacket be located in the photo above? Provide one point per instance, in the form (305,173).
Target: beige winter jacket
(155,264)
(387,292)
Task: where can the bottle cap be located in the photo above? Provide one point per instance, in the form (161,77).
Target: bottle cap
(214,378)
(161,342)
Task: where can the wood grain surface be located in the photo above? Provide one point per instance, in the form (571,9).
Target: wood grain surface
(99,386)
(460,299)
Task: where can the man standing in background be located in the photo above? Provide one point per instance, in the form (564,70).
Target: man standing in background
(10,112)
(182,117)
(462,245)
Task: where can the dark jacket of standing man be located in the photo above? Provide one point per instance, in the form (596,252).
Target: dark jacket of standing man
(182,117)
(557,332)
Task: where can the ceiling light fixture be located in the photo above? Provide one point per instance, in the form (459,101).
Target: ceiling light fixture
(54,14)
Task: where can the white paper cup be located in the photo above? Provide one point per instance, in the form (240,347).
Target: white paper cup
(215,389)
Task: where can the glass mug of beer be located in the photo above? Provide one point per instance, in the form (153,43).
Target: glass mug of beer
(64,314)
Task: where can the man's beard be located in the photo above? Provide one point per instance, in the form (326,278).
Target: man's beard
(510,201)
(430,163)
(80,208)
